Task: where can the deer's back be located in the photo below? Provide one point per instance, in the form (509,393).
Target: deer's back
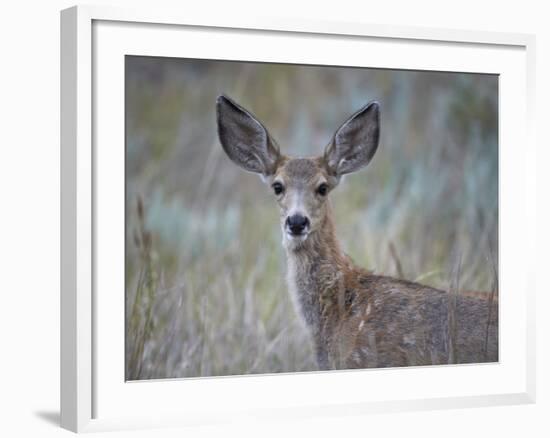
(389,322)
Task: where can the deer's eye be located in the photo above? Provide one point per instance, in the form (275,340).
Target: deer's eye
(278,188)
(322,189)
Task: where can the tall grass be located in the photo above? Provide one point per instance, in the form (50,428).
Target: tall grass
(205,270)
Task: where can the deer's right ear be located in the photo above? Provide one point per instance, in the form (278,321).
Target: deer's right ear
(244,139)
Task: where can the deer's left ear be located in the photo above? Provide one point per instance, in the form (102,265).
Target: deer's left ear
(355,142)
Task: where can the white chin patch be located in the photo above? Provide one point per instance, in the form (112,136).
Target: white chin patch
(293,240)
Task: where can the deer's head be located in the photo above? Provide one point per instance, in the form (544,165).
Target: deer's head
(300,185)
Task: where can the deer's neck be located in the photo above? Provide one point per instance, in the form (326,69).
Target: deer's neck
(316,269)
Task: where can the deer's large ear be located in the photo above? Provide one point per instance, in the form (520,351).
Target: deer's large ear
(244,139)
(355,142)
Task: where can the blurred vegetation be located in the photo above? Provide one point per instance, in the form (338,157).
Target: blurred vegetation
(205,270)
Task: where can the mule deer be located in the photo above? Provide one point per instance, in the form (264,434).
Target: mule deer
(356,319)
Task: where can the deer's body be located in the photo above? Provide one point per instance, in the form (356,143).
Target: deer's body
(356,319)
(359,320)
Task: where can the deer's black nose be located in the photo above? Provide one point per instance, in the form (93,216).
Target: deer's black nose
(297,223)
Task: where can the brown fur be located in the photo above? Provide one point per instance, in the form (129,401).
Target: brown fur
(358,319)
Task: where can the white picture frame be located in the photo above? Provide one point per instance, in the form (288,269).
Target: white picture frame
(93,396)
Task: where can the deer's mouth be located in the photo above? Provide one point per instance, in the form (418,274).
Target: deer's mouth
(293,241)
(298,237)
(295,237)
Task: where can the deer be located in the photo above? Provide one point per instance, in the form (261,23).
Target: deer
(355,318)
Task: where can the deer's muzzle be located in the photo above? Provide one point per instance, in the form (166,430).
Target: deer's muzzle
(297,224)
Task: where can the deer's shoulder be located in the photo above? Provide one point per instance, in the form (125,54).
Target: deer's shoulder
(391,298)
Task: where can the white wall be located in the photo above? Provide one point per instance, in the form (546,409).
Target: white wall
(29,213)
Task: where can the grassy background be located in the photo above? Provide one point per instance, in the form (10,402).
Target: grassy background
(205,291)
